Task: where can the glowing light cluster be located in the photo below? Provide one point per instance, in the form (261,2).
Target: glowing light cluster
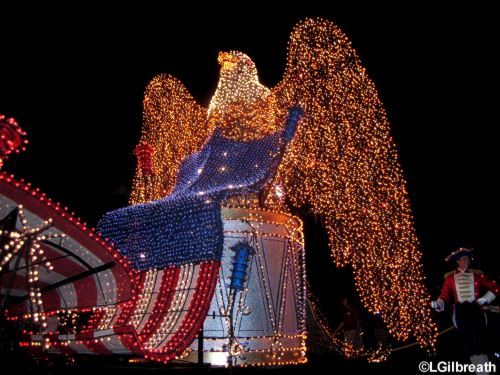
(68,320)
(12,138)
(242,107)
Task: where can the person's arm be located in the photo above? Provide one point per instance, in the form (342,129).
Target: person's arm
(446,293)
(356,317)
(491,285)
(339,327)
(446,290)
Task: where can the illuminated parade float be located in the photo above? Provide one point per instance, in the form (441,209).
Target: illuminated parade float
(208,260)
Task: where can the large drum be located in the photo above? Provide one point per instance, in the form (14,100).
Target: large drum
(262,323)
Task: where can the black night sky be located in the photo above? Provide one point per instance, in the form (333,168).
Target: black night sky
(75,84)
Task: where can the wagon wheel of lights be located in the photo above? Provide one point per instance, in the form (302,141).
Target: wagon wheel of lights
(51,263)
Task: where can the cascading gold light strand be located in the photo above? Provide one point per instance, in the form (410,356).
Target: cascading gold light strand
(341,160)
(344,163)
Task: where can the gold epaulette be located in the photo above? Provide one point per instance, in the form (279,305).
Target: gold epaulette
(478,272)
(449,273)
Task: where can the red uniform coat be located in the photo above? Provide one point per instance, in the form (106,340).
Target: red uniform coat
(470,284)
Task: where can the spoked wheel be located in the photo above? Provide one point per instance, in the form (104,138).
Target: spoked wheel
(55,272)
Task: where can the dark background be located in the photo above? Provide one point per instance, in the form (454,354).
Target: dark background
(75,83)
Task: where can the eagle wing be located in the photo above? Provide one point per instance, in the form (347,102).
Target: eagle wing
(342,162)
(174,126)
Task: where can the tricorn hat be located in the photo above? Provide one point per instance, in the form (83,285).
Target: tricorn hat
(457,254)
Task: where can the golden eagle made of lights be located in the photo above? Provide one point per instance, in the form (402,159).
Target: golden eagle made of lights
(342,161)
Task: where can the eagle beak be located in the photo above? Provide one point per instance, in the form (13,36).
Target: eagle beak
(227,61)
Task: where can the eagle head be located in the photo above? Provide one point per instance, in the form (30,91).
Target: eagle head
(238,83)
